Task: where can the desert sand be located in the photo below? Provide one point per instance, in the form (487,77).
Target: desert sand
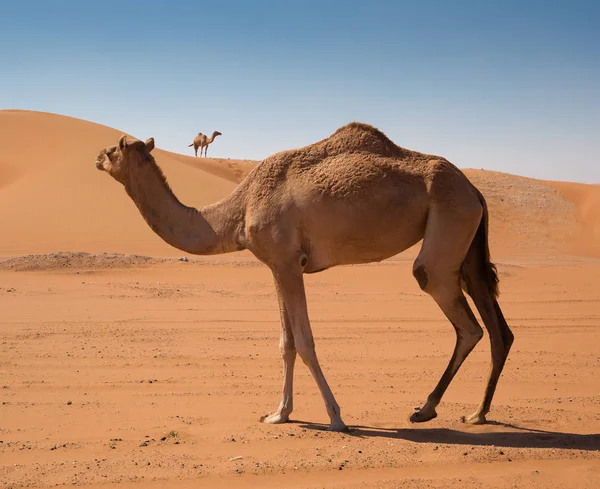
(122,365)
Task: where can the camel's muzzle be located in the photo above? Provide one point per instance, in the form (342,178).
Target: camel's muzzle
(100,159)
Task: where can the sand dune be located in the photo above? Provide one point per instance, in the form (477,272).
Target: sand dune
(174,362)
(537,217)
(53,198)
(231,170)
(586,199)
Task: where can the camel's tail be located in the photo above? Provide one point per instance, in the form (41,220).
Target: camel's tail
(190,145)
(477,262)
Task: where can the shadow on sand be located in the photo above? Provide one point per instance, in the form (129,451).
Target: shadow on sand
(523,438)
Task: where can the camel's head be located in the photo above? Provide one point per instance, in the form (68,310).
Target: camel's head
(118,160)
(216,133)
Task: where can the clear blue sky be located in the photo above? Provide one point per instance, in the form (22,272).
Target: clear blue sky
(506,85)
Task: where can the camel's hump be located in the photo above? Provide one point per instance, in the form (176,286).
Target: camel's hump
(355,137)
(360,137)
(355,127)
(351,140)
(351,153)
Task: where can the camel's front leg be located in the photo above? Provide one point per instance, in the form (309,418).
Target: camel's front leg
(288,354)
(291,286)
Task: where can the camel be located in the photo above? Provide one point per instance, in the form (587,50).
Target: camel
(352,198)
(202,141)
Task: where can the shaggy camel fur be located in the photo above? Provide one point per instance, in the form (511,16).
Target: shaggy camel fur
(202,141)
(354,197)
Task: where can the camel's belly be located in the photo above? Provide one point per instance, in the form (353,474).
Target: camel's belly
(341,254)
(340,239)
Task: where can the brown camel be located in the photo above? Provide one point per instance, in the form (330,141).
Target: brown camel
(354,197)
(202,141)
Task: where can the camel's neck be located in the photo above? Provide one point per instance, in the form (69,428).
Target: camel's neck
(214,229)
(212,138)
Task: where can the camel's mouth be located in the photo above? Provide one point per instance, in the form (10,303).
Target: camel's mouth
(103,158)
(100,161)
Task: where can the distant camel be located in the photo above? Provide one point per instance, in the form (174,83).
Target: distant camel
(202,141)
(354,197)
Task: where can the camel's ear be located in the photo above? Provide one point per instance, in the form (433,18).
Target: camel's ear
(123,142)
(149,144)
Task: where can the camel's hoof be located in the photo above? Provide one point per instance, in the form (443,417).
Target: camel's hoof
(338,426)
(275,418)
(474,419)
(422,416)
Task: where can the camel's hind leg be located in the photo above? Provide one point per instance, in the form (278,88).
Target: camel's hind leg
(448,235)
(501,337)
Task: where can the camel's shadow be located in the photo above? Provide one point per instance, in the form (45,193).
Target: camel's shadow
(524,438)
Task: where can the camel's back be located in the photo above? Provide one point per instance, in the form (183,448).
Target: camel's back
(356,159)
